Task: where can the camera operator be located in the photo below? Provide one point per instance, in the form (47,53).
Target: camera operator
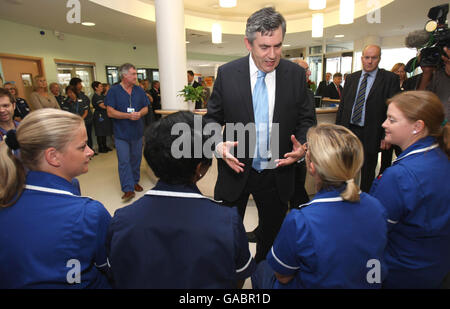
(440,82)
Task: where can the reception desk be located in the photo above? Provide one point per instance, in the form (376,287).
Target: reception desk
(206,184)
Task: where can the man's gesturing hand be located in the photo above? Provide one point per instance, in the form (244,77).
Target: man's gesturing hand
(296,154)
(223,150)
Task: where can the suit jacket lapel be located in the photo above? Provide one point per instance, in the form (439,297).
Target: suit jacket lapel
(280,84)
(245,86)
(376,83)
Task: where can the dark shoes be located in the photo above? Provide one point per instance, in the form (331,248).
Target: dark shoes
(138,188)
(128,196)
(251,236)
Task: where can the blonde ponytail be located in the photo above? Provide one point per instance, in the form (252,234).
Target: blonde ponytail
(338,156)
(12,176)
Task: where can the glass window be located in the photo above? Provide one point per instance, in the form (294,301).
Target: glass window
(315,50)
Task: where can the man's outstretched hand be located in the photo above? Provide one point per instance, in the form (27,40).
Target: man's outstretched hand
(296,154)
(223,150)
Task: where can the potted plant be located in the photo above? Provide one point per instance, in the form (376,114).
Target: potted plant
(191,95)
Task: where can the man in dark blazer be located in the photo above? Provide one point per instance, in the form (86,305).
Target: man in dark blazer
(192,82)
(323,85)
(234,100)
(334,89)
(363,108)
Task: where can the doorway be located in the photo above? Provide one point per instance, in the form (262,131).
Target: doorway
(68,69)
(21,71)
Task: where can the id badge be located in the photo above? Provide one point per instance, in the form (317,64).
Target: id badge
(130,110)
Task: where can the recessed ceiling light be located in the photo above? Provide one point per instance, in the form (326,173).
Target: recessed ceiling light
(187,42)
(88,24)
(227,3)
(339,36)
(286,45)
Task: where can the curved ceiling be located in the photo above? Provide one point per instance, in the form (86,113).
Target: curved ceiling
(201,14)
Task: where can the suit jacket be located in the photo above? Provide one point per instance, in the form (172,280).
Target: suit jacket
(198,104)
(231,103)
(331,91)
(321,88)
(385,86)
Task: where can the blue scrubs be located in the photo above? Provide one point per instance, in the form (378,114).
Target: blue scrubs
(49,234)
(173,237)
(329,243)
(128,133)
(415,193)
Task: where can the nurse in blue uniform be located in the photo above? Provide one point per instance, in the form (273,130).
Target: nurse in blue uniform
(50,236)
(174,237)
(415,191)
(338,239)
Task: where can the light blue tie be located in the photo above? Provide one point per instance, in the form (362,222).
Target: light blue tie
(261,111)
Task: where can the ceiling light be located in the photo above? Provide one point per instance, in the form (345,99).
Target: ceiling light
(347,11)
(88,24)
(339,36)
(317,25)
(187,42)
(216,33)
(317,4)
(227,3)
(286,45)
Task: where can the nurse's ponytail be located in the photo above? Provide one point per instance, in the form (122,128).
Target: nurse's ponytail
(40,130)
(444,138)
(12,174)
(337,155)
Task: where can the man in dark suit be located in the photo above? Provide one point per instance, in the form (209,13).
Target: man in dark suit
(334,89)
(323,85)
(363,108)
(156,95)
(195,84)
(269,93)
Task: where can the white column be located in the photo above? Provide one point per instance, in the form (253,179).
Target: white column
(171,40)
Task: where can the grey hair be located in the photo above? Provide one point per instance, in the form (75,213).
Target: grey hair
(124,68)
(264,21)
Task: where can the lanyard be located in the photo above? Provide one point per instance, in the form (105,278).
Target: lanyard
(417,151)
(178,194)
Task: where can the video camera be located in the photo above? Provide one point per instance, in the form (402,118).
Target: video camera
(430,41)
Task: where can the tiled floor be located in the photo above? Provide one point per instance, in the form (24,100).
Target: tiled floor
(102,184)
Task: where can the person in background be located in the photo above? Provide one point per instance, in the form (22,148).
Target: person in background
(7,108)
(73,104)
(363,108)
(155,92)
(192,82)
(206,93)
(149,247)
(56,91)
(323,85)
(102,123)
(415,192)
(127,104)
(334,89)
(41,98)
(77,83)
(106,87)
(55,238)
(330,241)
(399,69)
(22,109)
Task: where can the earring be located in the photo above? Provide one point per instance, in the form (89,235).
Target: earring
(414,132)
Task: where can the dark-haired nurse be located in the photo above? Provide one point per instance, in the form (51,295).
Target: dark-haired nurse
(174,237)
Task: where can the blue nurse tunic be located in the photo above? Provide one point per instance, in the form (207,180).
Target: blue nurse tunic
(415,191)
(52,238)
(331,243)
(173,237)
